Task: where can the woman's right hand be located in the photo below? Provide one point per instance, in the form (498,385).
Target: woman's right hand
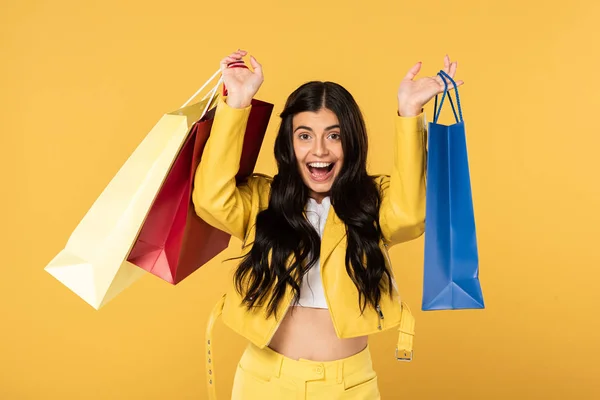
(241,83)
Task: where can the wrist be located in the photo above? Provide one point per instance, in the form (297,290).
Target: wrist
(412,112)
(237,103)
(406,109)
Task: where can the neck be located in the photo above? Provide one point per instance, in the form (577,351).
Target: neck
(318,197)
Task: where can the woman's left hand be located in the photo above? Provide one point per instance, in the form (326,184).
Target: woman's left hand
(414,94)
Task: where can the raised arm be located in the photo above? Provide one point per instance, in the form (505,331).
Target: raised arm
(402,211)
(217,198)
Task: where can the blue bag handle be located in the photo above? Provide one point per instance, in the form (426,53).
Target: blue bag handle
(443,75)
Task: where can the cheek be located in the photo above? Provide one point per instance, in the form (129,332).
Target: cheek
(339,152)
(300,152)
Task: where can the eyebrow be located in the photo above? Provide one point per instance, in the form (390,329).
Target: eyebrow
(308,128)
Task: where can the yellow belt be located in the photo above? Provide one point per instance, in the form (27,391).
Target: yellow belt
(404,348)
(406,333)
(210,370)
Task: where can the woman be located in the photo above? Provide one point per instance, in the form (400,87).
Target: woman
(314,278)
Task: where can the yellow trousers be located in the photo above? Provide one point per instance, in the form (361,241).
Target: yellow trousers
(265,375)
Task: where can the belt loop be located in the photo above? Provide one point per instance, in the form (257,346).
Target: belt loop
(210,370)
(340,372)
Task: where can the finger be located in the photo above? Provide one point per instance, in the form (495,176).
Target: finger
(256,66)
(451,87)
(447,64)
(413,71)
(440,82)
(223,63)
(228,60)
(448,84)
(237,56)
(452,69)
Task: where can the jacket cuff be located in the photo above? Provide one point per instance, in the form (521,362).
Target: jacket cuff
(222,104)
(409,125)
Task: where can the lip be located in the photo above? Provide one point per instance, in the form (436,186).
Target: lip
(323,178)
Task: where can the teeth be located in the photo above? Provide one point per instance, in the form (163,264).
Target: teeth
(319,164)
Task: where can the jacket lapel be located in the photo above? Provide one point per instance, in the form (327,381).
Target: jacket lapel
(334,231)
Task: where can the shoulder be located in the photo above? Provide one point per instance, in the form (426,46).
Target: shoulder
(259,186)
(382,181)
(260,181)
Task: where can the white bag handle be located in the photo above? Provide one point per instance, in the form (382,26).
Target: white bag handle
(212,92)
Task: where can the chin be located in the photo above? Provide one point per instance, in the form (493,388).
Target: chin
(321,190)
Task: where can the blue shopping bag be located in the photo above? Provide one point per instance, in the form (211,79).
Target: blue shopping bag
(451,262)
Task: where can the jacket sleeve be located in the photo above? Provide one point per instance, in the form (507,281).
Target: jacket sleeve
(217,198)
(402,210)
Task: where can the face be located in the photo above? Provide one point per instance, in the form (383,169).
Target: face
(318,149)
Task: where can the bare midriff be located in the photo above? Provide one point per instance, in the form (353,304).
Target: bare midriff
(308,333)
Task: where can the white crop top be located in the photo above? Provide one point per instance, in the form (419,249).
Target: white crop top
(311,290)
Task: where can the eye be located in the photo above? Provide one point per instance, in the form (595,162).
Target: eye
(303,136)
(334,136)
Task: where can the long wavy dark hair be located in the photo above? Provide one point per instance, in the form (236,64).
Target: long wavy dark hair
(286,245)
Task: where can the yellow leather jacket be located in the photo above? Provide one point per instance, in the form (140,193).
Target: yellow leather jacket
(233,208)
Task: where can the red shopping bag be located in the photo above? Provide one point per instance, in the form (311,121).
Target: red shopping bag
(174,242)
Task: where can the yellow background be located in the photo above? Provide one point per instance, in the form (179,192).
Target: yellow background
(81,83)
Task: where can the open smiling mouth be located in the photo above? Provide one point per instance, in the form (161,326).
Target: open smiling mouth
(320,171)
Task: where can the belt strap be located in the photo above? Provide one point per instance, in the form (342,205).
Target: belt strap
(406,333)
(210,370)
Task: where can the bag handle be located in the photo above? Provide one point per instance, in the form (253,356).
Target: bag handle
(211,93)
(443,75)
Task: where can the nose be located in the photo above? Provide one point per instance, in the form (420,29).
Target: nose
(320,147)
